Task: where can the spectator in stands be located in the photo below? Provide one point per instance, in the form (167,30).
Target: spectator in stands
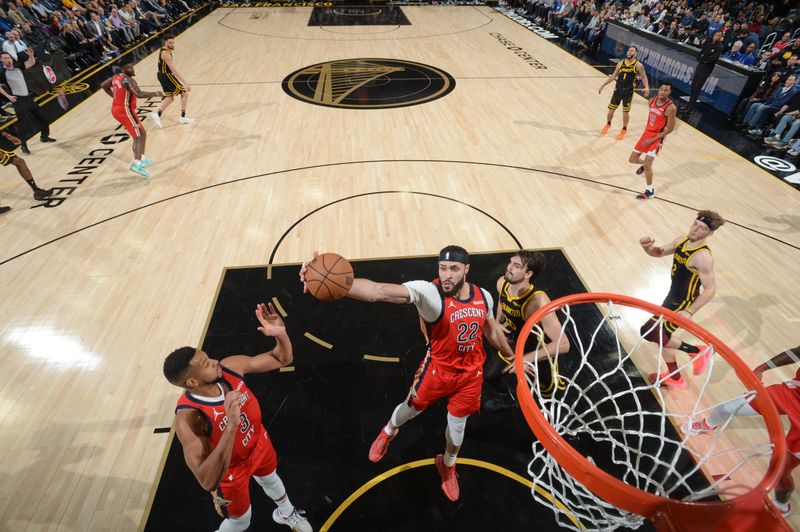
(749,56)
(794,151)
(748,37)
(701,24)
(661,28)
(35,38)
(42,11)
(78,42)
(29,15)
(785,42)
(683,36)
(788,126)
(688,19)
(98,30)
(763,92)
(735,53)
(672,31)
(13,45)
(121,25)
(758,112)
(554,18)
(128,17)
(771,27)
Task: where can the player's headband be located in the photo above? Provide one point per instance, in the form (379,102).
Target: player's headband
(706,220)
(454,256)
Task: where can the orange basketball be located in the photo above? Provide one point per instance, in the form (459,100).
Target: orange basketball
(329,277)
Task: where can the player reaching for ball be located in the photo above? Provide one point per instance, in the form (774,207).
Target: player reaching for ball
(218,422)
(455,315)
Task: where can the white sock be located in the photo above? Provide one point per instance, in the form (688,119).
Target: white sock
(450,459)
(389,430)
(137,162)
(273,487)
(285,507)
(650,188)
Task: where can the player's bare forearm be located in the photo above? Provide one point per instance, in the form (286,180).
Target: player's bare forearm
(494,334)
(213,468)
(370,291)
(790,356)
(208,465)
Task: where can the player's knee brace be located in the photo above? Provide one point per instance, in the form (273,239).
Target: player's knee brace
(273,485)
(236,524)
(455,429)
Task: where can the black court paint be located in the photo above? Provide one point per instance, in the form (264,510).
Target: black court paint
(323,416)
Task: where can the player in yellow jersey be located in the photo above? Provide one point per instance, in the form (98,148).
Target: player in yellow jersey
(692,268)
(625,75)
(518,300)
(172,82)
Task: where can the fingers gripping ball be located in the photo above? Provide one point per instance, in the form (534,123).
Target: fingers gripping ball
(329,277)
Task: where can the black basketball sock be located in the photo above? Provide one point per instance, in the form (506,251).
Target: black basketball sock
(183,114)
(159,113)
(687,348)
(33,185)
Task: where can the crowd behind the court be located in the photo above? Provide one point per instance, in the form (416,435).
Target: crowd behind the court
(762,36)
(87,31)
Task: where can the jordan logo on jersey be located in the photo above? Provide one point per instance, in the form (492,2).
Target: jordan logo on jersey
(216,414)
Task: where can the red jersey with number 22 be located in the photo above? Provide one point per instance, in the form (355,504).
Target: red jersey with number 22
(250,427)
(456,338)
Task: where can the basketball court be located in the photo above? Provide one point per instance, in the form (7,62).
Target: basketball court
(382,142)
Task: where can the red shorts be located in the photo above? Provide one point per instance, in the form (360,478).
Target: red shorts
(788,404)
(129,120)
(651,149)
(235,485)
(462,388)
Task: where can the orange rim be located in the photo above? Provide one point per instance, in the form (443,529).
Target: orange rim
(606,486)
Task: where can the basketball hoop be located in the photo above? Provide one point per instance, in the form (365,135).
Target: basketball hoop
(654,468)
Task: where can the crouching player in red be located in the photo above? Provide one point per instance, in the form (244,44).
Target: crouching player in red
(124,90)
(455,316)
(786,397)
(224,455)
(660,123)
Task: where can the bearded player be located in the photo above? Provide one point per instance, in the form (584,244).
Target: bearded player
(172,82)
(786,397)
(124,90)
(625,74)
(455,316)
(218,422)
(660,123)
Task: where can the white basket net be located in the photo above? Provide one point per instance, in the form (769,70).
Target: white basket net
(628,427)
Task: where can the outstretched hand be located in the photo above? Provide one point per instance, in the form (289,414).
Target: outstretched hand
(304,269)
(271,322)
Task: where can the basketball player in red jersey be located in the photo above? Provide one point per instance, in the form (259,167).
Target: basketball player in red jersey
(786,397)
(455,315)
(660,123)
(223,454)
(124,90)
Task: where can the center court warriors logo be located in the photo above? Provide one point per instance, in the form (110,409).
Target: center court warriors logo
(368,84)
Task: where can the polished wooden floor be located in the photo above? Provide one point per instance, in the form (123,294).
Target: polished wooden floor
(97,290)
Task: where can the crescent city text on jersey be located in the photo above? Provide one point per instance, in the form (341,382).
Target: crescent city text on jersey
(467,313)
